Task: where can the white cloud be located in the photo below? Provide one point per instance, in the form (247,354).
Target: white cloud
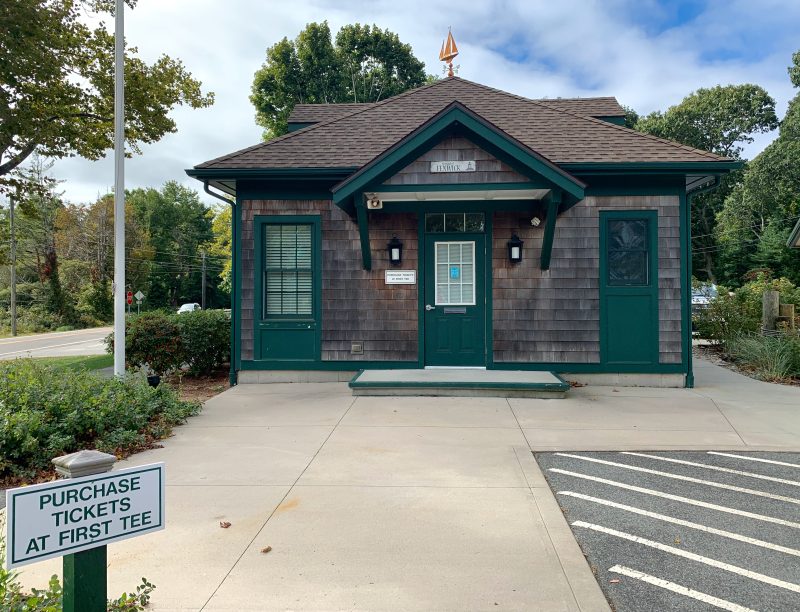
(534,48)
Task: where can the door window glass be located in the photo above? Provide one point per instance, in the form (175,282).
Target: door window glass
(628,252)
(454,222)
(288,271)
(455,273)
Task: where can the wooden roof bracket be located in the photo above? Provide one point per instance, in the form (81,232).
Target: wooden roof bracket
(363,231)
(553,200)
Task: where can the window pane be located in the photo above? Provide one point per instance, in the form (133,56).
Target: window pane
(455,273)
(474,222)
(628,252)
(454,222)
(288,276)
(434,222)
(627,234)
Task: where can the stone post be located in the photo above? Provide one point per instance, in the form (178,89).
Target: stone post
(84,573)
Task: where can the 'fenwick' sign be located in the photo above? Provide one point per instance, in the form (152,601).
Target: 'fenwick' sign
(452,166)
(68,516)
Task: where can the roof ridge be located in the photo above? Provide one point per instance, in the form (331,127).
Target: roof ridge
(606,124)
(310,128)
(569,99)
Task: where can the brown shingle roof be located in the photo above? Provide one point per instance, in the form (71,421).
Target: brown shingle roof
(559,135)
(592,107)
(316,113)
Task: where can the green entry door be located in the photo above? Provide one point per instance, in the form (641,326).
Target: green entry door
(629,287)
(455,300)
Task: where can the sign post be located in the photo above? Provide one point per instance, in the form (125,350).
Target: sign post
(139,297)
(76,518)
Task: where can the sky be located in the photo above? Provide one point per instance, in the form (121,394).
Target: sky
(648,53)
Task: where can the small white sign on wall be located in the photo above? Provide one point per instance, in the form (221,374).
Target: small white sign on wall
(401,277)
(453,166)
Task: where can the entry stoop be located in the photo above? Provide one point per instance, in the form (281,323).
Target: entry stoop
(460,382)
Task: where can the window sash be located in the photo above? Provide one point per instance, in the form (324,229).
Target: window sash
(288,282)
(628,252)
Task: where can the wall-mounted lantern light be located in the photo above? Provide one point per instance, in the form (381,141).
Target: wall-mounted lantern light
(395,248)
(515,249)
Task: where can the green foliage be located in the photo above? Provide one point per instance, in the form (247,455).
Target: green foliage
(765,206)
(46,411)
(727,315)
(773,358)
(58,84)
(206,337)
(365,64)
(733,314)
(177,226)
(153,340)
(164,341)
(719,119)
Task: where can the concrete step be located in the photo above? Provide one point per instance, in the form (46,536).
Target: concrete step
(460,382)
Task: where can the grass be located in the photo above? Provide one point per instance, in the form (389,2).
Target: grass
(78,362)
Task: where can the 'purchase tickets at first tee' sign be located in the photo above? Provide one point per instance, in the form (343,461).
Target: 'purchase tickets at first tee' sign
(68,516)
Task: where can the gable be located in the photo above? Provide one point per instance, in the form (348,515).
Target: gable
(488,168)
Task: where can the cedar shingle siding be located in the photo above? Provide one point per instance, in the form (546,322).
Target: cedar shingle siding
(554,315)
(357,306)
(488,169)
(538,316)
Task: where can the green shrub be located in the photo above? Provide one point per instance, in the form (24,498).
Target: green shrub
(206,336)
(728,315)
(154,340)
(769,357)
(45,412)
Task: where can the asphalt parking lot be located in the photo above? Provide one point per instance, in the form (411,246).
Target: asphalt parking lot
(685,530)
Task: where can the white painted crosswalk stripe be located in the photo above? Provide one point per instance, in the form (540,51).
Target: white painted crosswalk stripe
(709,483)
(715,468)
(683,523)
(679,589)
(734,569)
(758,459)
(678,498)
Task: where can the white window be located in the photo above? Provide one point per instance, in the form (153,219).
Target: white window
(455,273)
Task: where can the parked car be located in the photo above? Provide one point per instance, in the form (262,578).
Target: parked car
(702,296)
(189,307)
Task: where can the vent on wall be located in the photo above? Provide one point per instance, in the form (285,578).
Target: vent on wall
(357,348)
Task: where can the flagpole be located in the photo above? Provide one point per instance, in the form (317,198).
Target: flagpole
(119,189)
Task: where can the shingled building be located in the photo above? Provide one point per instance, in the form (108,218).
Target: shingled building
(458,225)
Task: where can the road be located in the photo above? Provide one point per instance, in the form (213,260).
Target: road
(689,531)
(56,344)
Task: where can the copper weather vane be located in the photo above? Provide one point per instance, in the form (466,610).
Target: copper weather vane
(448,52)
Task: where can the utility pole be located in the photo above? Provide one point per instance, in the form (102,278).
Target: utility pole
(13,270)
(203,284)
(119,189)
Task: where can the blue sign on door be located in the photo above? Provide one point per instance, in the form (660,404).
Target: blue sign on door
(455,272)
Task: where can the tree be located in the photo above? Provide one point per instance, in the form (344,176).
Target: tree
(756,219)
(366,64)
(720,119)
(57,85)
(178,226)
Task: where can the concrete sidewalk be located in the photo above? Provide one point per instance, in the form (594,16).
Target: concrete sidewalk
(377,503)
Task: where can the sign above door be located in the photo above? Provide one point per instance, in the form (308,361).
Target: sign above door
(453,166)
